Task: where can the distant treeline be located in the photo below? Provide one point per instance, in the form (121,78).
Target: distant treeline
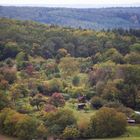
(102,18)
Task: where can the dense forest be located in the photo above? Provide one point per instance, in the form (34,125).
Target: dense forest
(100,18)
(67,83)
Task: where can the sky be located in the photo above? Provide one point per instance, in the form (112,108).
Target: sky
(73,3)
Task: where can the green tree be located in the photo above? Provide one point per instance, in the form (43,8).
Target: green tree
(135,47)
(4,100)
(71,133)
(75,80)
(108,122)
(129,87)
(11,49)
(21,59)
(68,66)
(57,121)
(37,101)
(132,58)
(26,128)
(96,102)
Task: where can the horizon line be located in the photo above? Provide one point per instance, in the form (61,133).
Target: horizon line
(136,5)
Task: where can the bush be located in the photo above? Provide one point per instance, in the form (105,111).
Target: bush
(66,96)
(89,94)
(57,121)
(42,132)
(70,133)
(136,117)
(20,125)
(26,128)
(50,108)
(9,74)
(55,85)
(97,102)
(57,100)
(75,80)
(108,123)
(4,101)
(44,89)
(24,108)
(84,128)
(76,91)
(8,121)
(38,100)
(120,108)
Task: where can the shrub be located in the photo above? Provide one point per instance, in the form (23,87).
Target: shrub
(75,80)
(76,91)
(37,101)
(9,74)
(97,102)
(24,108)
(57,121)
(55,85)
(8,120)
(26,128)
(50,108)
(66,96)
(120,108)
(20,125)
(89,94)
(4,101)
(42,131)
(44,89)
(84,128)
(4,84)
(70,133)
(108,123)
(136,117)
(57,100)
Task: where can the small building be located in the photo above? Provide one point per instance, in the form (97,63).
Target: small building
(131,121)
(82,99)
(81,106)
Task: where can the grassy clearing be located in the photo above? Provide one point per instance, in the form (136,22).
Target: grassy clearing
(134,131)
(80,115)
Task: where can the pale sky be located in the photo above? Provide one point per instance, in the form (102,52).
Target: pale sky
(70,2)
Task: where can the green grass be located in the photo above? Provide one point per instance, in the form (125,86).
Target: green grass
(80,115)
(133,133)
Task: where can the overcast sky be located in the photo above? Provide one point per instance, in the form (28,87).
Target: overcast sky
(70,2)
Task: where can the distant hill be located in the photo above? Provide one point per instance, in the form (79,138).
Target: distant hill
(98,18)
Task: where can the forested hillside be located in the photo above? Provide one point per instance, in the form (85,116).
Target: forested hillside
(85,18)
(68,83)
